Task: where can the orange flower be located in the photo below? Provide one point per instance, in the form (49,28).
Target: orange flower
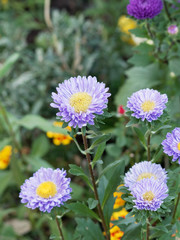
(59,138)
(5,156)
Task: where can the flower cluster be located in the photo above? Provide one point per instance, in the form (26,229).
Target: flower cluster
(59,138)
(142,9)
(147,104)
(79,99)
(171,144)
(47,189)
(147,183)
(5,156)
(115,231)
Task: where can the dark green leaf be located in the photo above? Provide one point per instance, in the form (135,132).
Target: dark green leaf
(40,146)
(78,171)
(87,230)
(140,136)
(8,64)
(99,153)
(92,203)
(99,140)
(82,210)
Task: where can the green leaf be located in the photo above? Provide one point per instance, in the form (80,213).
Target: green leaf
(78,171)
(138,78)
(36,163)
(140,136)
(40,146)
(87,230)
(34,121)
(113,150)
(77,191)
(133,121)
(110,166)
(17,171)
(133,231)
(8,64)
(5,180)
(98,154)
(160,128)
(113,181)
(141,60)
(82,210)
(92,203)
(139,32)
(99,140)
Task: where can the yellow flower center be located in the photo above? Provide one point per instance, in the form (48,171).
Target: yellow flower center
(145,175)
(148,106)
(80,101)
(46,190)
(148,196)
(178,146)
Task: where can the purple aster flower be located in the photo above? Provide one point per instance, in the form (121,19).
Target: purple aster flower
(173,29)
(147,104)
(149,194)
(171,144)
(144,170)
(142,9)
(79,99)
(47,189)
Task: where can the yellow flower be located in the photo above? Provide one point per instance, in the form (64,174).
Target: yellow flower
(125,24)
(119,202)
(122,213)
(5,155)
(59,138)
(116,233)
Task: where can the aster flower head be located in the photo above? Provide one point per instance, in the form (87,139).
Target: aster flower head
(142,9)
(173,29)
(47,189)
(142,171)
(147,104)
(149,194)
(171,144)
(78,99)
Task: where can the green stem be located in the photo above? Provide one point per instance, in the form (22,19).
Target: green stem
(175,209)
(95,189)
(166,10)
(148,147)
(11,131)
(59,228)
(149,30)
(47,18)
(147,229)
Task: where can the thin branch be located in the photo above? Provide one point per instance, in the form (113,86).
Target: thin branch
(148,147)
(47,18)
(167,11)
(175,209)
(94,187)
(59,228)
